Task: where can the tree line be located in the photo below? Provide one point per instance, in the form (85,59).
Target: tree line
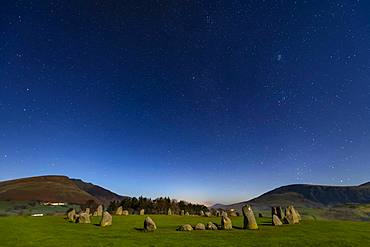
(156,206)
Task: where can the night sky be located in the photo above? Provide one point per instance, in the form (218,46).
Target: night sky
(213,101)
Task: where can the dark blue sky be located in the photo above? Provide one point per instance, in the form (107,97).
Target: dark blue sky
(213,101)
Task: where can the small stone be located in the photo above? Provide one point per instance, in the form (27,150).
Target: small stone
(99,210)
(226,223)
(211,226)
(106,219)
(71,215)
(142,211)
(276,221)
(200,226)
(83,218)
(149,224)
(125,212)
(119,210)
(186,228)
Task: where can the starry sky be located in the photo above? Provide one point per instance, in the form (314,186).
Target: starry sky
(207,101)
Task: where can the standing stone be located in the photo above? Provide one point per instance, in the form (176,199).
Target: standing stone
(99,210)
(211,226)
(186,228)
(280,213)
(106,219)
(182,213)
(224,214)
(71,215)
(291,216)
(276,221)
(218,213)
(87,210)
(83,218)
(299,216)
(169,212)
(273,211)
(142,211)
(125,212)
(187,214)
(249,219)
(200,226)
(207,214)
(149,224)
(260,215)
(119,210)
(226,223)
(201,213)
(95,213)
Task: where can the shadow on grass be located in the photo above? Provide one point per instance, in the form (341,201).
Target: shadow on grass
(139,229)
(265,224)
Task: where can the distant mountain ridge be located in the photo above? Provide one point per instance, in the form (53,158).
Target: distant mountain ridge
(54,188)
(306,195)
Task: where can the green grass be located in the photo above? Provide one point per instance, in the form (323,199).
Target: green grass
(125,231)
(28,208)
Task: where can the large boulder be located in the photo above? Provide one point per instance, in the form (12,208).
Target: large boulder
(149,224)
(249,219)
(276,221)
(291,216)
(211,226)
(106,219)
(119,210)
(99,210)
(142,211)
(71,214)
(186,228)
(83,218)
(207,214)
(169,212)
(226,223)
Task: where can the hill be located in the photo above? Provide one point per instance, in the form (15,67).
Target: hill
(54,189)
(308,196)
(103,195)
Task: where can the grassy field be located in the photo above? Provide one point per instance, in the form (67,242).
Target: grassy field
(8,208)
(126,231)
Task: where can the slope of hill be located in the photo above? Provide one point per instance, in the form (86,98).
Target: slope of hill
(54,189)
(304,195)
(103,195)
